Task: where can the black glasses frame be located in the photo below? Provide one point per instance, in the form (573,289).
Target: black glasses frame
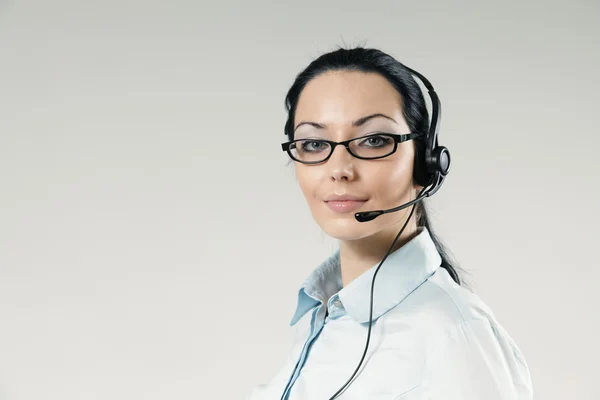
(398,138)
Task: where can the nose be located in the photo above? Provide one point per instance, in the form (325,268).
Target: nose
(341,165)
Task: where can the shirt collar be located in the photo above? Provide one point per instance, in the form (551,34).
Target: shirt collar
(401,273)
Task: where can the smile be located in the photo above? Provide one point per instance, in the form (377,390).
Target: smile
(344,206)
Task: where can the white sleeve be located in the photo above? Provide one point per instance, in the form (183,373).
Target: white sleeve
(476,360)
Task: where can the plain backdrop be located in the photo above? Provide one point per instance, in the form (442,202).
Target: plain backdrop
(153,237)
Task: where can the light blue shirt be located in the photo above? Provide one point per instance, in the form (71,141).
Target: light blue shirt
(431,338)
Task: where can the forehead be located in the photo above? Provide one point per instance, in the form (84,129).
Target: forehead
(339,97)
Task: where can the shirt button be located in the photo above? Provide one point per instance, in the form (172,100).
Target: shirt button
(337,303)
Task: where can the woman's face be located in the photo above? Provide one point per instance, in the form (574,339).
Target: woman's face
(334,100)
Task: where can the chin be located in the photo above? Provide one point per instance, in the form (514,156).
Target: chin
(346,227)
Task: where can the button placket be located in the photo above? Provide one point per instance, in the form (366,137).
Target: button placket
(317,323)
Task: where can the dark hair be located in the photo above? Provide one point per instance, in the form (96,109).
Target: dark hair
(414,111)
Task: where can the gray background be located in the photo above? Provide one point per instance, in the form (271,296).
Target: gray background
(152,237)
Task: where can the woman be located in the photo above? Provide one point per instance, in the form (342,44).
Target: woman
(406,328)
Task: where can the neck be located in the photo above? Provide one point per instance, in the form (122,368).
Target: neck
(357,256)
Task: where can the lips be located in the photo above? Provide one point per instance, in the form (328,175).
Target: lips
(344,206)
(344,203)
(345,197)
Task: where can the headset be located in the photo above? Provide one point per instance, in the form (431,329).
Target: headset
(436,162)
(428,172)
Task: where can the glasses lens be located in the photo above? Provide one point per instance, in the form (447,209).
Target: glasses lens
(373,146)
(310,150)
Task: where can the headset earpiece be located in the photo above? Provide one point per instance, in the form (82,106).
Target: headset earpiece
(419,168)
(428,170)
(441,160)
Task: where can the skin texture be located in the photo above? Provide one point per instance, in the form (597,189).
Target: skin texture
(335,99)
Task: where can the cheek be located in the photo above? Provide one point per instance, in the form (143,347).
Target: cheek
(392,181)
(307,180)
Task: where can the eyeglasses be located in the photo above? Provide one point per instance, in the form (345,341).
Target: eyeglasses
(369,147)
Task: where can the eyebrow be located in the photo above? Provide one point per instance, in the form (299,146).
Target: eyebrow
(358,122)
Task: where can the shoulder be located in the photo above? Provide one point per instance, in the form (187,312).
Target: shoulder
(440,308)
(441,303)
(460,339)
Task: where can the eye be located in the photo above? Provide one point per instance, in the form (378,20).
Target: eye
(376,141)
(313,146)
